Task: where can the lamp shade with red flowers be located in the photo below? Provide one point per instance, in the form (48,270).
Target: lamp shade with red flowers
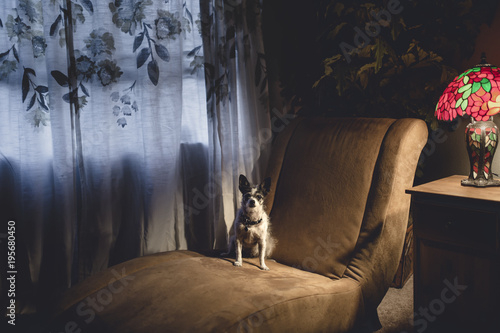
(475,94)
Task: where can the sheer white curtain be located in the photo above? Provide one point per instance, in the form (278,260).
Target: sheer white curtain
(239,118)
(36,150)
(132,128)
(119,137)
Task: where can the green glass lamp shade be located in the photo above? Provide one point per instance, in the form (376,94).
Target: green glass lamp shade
(475,93)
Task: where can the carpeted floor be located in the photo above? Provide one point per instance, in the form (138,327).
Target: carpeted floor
(396,310)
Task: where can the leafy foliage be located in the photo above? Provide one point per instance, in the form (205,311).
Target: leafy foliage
(146,52)
(7,66)
(39,91)
(382,60)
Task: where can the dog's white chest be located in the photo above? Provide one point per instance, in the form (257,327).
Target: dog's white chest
(251,236)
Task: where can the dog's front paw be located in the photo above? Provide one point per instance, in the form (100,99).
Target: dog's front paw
(264,267)
(237,263)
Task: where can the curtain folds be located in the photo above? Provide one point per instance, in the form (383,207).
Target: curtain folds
(239,121)
(125,125)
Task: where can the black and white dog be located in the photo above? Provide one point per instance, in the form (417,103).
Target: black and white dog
(252,224)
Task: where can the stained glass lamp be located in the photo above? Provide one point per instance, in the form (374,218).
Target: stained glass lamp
(475,94)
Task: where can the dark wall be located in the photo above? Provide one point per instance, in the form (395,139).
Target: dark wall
(292,51)
(292,38)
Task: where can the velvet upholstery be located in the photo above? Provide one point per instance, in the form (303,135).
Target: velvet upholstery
(339,212)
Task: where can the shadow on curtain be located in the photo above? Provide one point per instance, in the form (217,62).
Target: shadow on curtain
(125,126)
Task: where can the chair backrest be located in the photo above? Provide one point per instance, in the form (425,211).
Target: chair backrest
(338,205)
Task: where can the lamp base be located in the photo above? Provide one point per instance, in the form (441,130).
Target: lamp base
(482,139)
(480,182)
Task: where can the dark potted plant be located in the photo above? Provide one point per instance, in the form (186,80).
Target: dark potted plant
(393,58)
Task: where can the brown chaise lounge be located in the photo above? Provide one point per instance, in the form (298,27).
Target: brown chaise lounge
(339,211)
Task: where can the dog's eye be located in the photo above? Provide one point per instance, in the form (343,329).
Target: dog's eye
(259,197)
(246,196)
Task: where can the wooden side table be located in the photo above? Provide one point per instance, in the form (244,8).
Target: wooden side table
(456,257)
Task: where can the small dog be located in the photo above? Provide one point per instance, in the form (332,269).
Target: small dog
(252,224)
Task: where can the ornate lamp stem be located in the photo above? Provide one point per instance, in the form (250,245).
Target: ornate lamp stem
(481,138)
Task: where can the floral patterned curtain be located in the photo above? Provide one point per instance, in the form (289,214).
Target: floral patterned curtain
(124,127)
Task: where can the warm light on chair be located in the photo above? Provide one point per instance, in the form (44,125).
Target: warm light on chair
(475,93)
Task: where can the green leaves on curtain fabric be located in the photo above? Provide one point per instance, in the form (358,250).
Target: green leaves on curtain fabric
(95,58)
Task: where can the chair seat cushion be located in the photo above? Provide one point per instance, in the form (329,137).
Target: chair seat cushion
(172,291)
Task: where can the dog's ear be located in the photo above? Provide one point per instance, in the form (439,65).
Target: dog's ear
(265,186)
(244,185)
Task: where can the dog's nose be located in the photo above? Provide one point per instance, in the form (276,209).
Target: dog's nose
(251,202)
